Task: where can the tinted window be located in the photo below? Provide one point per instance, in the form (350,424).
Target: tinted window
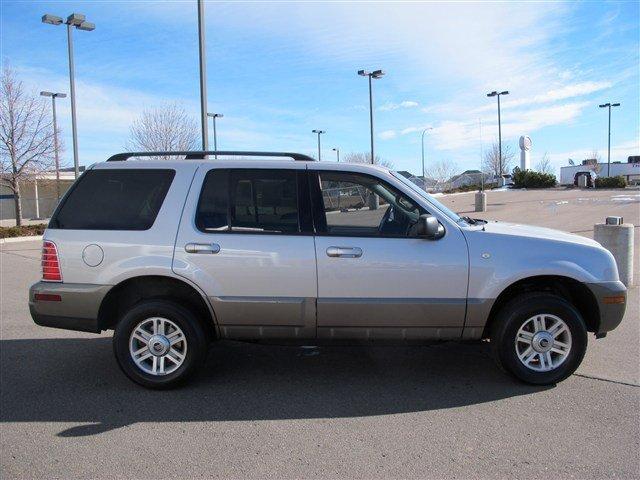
(357,204)
(114,200)
(214,202)
(249,200)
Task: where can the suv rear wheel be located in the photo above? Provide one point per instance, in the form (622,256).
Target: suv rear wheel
(539,338)
(158,344)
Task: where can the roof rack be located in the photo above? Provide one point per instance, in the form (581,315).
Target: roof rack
(201,154)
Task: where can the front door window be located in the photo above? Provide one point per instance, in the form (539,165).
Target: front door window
(362,205)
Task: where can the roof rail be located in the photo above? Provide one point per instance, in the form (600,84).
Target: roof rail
(201,154)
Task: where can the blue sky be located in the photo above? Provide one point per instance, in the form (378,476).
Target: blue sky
(277,70)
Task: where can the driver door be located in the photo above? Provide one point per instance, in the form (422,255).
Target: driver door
(376,278)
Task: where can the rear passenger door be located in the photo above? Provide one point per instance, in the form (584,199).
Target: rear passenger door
(246,239)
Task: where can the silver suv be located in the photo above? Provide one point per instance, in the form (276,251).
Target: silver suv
(175,253)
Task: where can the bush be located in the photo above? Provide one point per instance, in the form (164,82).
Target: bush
(532,179)
(611,182)
(23,231)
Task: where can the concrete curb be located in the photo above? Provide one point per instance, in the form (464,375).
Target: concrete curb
(31,238)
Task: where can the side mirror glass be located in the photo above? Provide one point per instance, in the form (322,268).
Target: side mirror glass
(429,227)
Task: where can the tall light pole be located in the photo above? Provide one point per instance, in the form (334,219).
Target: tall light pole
(78,21)
(319,132)
(337,150)
(374,74)
(609,105)
(423,132)
(497,94)
(215,134)
(203,76)
(55,135)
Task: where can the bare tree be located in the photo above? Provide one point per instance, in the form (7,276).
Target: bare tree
(595,155)
(359,157)
(544,165)
(441,171)
(597,165)
(491,162)
(166,128)
(26,136)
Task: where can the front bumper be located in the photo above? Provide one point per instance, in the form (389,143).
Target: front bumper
(612,303)
(67,305)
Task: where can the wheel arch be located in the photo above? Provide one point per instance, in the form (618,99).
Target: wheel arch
(131,291)
(574,291)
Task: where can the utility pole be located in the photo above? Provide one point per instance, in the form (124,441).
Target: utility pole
(215,133)
(78,21)
(203,76)
(609,105)
(55,136)
(498,94)
(423,132)
(319,132)
(375,74)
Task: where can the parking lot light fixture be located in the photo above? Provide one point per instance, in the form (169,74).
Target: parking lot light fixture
(609,105)
(375,74)
(55,136)
(319,132)
(87,26)
(337,150)
(498,94)
(215,134)
(75,20)
(51,19)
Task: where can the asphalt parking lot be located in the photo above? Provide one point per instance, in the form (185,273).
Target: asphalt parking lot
(441,411)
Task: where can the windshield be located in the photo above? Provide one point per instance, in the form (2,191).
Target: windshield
(449,213)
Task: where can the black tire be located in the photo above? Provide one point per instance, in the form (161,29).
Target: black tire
(196,340)
(514,314)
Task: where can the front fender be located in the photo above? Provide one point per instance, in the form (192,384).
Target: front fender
(497,261)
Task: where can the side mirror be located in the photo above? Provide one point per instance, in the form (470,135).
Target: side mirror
(429,227)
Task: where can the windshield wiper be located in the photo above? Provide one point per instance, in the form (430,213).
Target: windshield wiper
(473,221)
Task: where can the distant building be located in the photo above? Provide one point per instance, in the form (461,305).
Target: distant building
(425,183)
(630,170)
(466,178)
(38,195)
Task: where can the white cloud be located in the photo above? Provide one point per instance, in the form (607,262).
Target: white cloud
(561,93)
(105,114)
(515,124)
(468,42)
(387,135)
(452,135)
(619,152)
(570,91)
(395,106)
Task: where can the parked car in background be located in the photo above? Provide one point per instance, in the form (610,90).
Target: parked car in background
(173,255)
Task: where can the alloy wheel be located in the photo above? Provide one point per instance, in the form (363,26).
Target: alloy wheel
(158,346)
(543,342)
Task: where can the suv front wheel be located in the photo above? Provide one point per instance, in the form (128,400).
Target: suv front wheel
(539,338)
(158,344)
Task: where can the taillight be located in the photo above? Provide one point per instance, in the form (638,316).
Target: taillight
(50,264)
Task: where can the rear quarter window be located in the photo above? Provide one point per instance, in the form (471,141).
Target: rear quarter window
(127,199)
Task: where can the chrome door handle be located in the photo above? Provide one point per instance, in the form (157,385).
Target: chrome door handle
(344,252)
(202,248)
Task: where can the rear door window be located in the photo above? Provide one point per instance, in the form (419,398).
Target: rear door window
(127,199)
(253,201)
